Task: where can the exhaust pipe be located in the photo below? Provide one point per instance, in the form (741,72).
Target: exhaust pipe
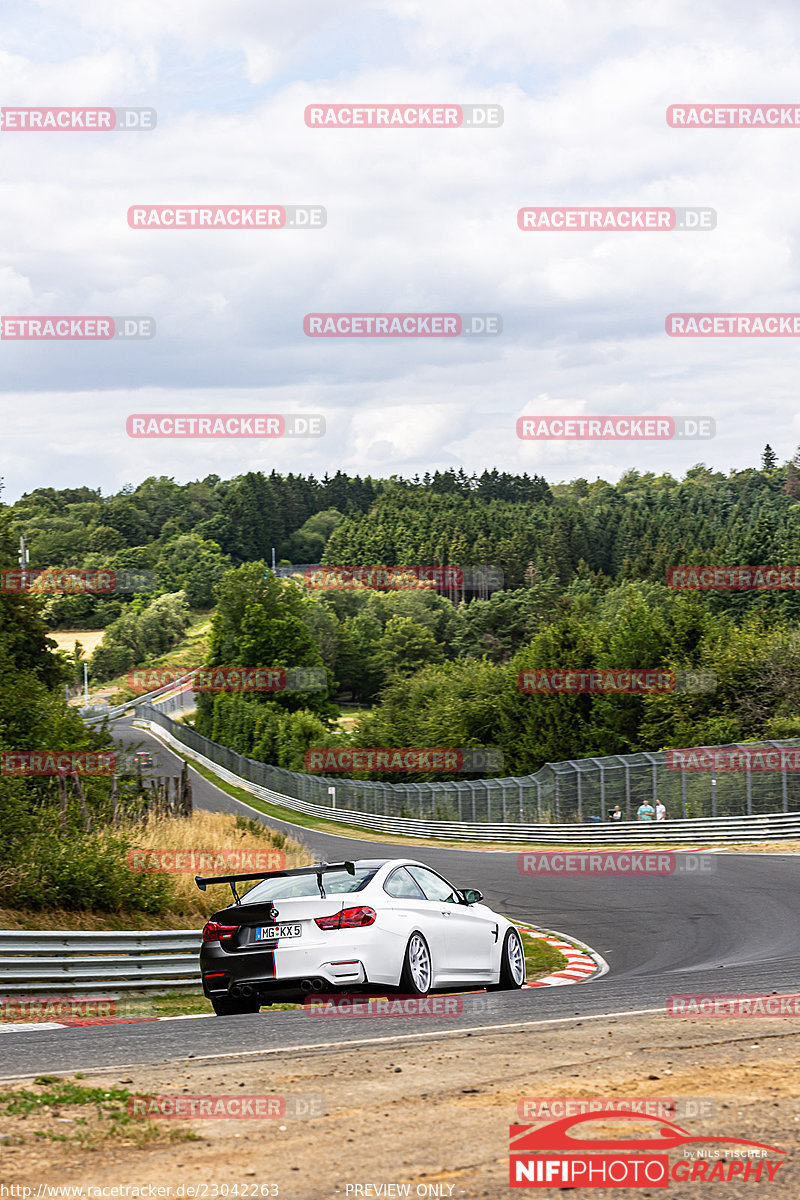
(312,985)
(245,990)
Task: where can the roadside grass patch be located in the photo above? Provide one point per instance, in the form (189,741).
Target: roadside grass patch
(540,957)
(98,1115)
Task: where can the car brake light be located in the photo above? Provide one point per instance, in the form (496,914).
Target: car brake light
(214,932)
(348,918)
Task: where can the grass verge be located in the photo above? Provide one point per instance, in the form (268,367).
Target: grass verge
(540,957)
(64,1110)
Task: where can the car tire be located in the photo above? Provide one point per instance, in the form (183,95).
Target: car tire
(417,973)
(512,963)
(230,1006)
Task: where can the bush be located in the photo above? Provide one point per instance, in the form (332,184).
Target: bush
(143,630)
(82,872)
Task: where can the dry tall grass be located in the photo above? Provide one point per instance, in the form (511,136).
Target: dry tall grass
(203,831)
(216,832)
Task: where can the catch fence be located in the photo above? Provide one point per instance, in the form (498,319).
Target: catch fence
(578,791)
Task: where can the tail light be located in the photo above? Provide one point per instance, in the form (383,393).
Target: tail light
(214,932)
(348,918)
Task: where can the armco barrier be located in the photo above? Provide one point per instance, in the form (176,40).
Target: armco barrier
(695,832)
(578,791)
(99,713)
(40,961)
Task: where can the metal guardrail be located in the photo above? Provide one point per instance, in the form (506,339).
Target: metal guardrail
(702,830)
(42,961)
(577,790)
(99,712)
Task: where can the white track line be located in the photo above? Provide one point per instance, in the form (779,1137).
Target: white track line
(399,1037)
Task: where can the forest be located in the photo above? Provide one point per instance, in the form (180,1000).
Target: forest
(584,584)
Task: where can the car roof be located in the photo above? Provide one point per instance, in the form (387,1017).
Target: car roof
(386,862)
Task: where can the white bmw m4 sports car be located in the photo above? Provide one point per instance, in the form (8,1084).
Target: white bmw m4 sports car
(353,926)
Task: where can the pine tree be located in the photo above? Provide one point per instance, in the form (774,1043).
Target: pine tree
(792,485)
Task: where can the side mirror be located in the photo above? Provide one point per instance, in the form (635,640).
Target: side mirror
(472,895)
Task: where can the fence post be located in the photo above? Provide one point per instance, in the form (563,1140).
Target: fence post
(62,801)
(627,791)
(580,797)
(784,792)
(683,794)
(539,799)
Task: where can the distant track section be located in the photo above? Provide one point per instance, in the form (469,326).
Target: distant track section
(703,830)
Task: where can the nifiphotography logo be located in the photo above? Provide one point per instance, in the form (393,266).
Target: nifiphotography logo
(632,1161)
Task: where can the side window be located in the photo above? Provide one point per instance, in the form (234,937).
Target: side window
(402,886)
(433,885)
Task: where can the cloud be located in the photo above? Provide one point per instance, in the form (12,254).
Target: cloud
(418,221)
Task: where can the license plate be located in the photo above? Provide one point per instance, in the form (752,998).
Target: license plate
(268,933)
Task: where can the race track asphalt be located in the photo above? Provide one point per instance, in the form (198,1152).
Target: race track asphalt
(732,929)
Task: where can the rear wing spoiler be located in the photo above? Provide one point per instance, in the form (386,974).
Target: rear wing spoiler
(317,869)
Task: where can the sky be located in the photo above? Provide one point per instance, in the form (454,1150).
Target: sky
(417,221)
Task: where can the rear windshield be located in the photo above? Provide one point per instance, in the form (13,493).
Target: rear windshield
(335,883)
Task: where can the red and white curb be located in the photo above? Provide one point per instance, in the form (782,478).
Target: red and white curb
(582,962)
(84,1022)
